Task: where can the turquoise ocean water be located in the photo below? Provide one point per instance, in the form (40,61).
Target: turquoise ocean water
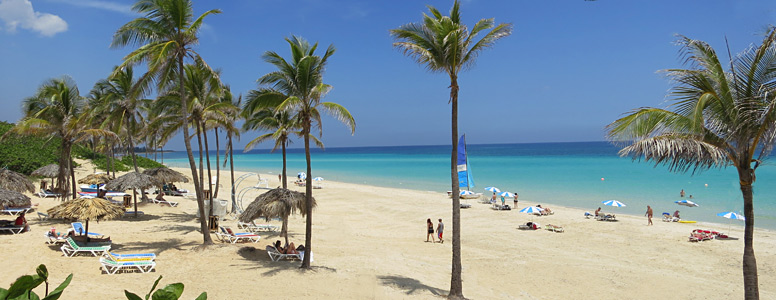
(568,174)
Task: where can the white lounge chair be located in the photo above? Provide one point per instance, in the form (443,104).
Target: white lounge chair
(13,229)
(52,239)
(130,257)
(226,235)
(111,266)
(78,228)
(70,248)
(45,194)
(170,203)
(16,211)
(253,227)
(275,255)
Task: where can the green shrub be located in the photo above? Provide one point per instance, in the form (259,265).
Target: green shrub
(142,162)
(102,164)
(25,154)
(21,289)
(169,292)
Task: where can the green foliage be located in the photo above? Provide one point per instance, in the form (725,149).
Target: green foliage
(169,292)
(102,164)
(142,162)
(22,288)
(25,154)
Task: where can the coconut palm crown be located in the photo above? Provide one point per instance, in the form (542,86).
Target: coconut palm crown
(719,115)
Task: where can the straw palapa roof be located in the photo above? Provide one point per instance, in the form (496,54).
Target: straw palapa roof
(277,202)
(87,209)
(166,175)
(12,181)
(132,180)
(13,198)
(50,171)
(95,179)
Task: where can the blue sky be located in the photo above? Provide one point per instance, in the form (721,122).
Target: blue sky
(569,68)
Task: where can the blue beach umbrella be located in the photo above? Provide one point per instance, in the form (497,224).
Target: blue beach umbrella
(465,193)
(302,175)
(492,189)
(614,203)
(687,203)
(531,210)
(731,215)
(506,194)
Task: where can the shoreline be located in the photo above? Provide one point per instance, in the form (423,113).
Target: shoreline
(369,243)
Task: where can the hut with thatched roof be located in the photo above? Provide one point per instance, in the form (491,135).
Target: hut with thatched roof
(87,209)
(14,199)
(48,171)
(12,181)
(274,203)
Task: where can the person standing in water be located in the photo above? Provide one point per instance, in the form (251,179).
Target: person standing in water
(681,194)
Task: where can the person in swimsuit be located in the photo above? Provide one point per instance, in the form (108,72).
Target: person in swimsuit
(430,226)
(440,229)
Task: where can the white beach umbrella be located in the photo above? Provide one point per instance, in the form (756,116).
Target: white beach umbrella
(464,193)
(507,194)
(614,203)
(318,179)
(731,215)
(531,210)
(492,189)
(687,203)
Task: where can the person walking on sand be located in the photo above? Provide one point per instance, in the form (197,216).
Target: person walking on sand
(430,227)
(440,229)
(649,215)
(515,200)
(681,194)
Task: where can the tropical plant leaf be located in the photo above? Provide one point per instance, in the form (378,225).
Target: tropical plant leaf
(56,293)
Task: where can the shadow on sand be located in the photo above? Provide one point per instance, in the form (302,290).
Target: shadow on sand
(255,256)
(410,285)
(153,247)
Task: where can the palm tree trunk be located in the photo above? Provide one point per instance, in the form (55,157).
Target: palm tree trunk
(456,283)
(207,240)
(746,178)
(64,157)
(218,167)
(201,166)
(284,179)
(284,230)
(209,176)
(231,169)
(71,164)
(134,163)
(308,237)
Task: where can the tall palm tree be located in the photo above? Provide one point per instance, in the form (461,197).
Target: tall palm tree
(166,35)
(231,130)
(301,81)
(57,110)
(445,45)
(719,116)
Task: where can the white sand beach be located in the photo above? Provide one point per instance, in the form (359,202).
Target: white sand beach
(369,243)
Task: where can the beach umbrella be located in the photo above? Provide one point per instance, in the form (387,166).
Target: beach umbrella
(731,215)
(465,193)
(132,181)
(531,210)
(87,209)
(14,199)
(318,178)
(95,179)
(166,175)
(302,175)
(12,181)
(507,194)
(277,202)
(614,203)
(492,189)
(49,171)
(687,203)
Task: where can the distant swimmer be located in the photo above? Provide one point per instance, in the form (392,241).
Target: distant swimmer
(681,194)
(690,196)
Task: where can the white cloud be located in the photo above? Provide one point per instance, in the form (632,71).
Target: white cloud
(99,4)
(19,13)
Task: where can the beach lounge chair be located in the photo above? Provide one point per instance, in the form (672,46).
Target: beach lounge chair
(13,229)
(42,216)
(52,239)
(170,203)
(78,228)
(111,266)
(253,227)
(529,226)
(275,255)
(16,210)
(130,257)
(227,235)
(47,193)
(554,228)
(70,248)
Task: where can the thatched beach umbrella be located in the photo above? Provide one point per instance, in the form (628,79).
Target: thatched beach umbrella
(132,181)
(277,202)
(14,199)
(12,181)
(166,175)
(49,171)
(95,179)
(87,209)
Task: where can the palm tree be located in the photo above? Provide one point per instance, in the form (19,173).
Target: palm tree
(57,110)
(718,117)
(231,130)
(445,45)
(165,36)
(301,81)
